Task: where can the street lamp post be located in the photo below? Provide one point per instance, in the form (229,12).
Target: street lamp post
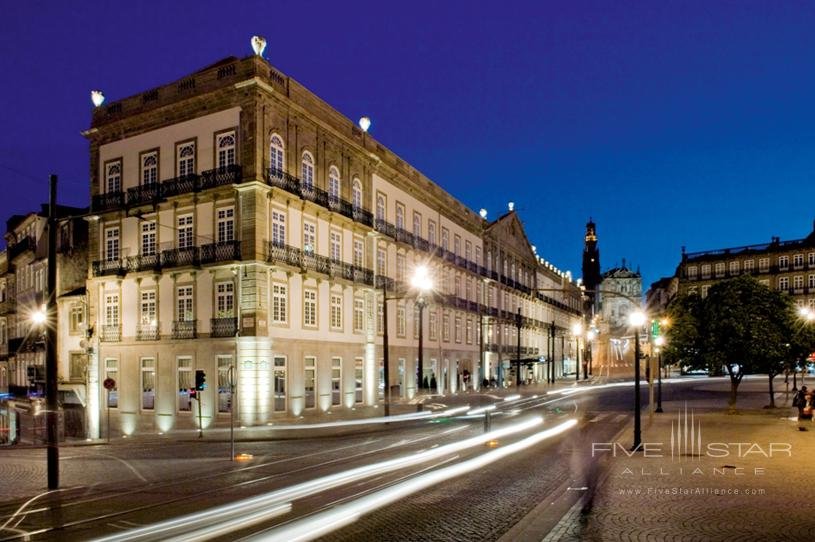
(518,322)
(51,389)
(659,341)
(637,320)
(577,331)
(385,349)
(422,282)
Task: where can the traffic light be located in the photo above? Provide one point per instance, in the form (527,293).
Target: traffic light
(200,380)
(193,394)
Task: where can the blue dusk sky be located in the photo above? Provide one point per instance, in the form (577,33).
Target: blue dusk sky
(670,123)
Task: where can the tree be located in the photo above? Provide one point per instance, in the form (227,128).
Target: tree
(683,346)
(745,327)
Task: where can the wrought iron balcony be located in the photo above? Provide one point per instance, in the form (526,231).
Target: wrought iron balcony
(312,193)
(280,179)
(363,216)
(315,262)
(108,267)
(285,254)
(404,236)
(107,201)
(221,176)
(185,329)
(148,332)
(179,185)
(111,334)
(140,195)
(179,257)
(144,262)
(223,327)
(225,251)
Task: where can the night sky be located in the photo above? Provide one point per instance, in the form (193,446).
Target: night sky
(683,124)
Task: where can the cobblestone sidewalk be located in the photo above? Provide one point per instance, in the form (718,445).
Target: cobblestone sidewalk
(717,477)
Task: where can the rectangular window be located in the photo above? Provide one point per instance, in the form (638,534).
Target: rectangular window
(811,282)
(336,246)
(184,230)
(336,311)
(278,228)
(720,269)
(359,374)
(458,329)
(112,243)
(705,288)
(112,310)
(147,308)
(76,368)
(185,158)
(432,323)
(310,381)
(400,216)
(184,304)
(225,147)
(336,381)
(359,315)
(148,238)
(457,245)
(445,328)
(149,168)
(478,255)
(359,253)
(148,383)
(226,224)
(381,262)
(468,251)
(457,285)
(763,264)
(279,384)
(798,282)
(706,271)
(401,266)
(185,383)
(415,321)
(280,303)
(77,320)
(417,224)
(783,283)
(811,259)
(798,261)
(468,332)
(380,318)
(225,299)
(113,176)
(112,372)
(401,324)
(783,262)
(734,268)
(748,266)
(224,384)
(310,308)
(309,237)
(431,232)
(445,239)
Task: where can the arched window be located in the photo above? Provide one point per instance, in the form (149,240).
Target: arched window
(333,184)
(307,171)
(380,208)
(276,155)
(356,196)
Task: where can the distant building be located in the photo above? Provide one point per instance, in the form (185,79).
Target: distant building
(787,266)
(660,294)
(23,286)
(591,267)
(614,309)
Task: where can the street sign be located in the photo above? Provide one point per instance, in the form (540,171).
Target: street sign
(654,328)
(109,384)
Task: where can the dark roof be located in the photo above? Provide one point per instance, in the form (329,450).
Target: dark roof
(621,273)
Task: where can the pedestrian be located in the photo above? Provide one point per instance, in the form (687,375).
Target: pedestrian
(803,402)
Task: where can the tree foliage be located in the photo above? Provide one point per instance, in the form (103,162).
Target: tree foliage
(741,327)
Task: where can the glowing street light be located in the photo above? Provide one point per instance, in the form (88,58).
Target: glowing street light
(423,283)
(806,313)
(38,316)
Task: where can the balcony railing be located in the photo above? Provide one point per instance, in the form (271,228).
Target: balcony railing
(223,251)
(140,195)
(148,332)
(223,327)
(144,262)
(179,257)
(107,201)
(108,267)
(221,176)
(111,334)
(185,329)
(179,185)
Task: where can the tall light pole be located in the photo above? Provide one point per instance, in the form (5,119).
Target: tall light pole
(422,282)
(51,404)
(637,320)
(659,342)
(518,323)
(577,331)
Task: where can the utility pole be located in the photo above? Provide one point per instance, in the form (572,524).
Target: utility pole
(51,404)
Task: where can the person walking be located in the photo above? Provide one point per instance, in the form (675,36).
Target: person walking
(803,402)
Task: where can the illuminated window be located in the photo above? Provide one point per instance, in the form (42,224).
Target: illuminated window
(279,303)
(310,308)
(226,224)
(359,315)
(112,372)
(276,155)
(336,311)
(185,383)
(185,231)
(333,184)
(401,324)
(113,176)
(149,168)
(225,145)
(112,243)
(307,171)
(185,158)
(148,383)
(148,238)
(225,299)
(278,228)
(309,237)
(336,246)
(356,196)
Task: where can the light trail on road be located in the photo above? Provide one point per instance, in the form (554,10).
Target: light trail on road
(238,509)
(322,523)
